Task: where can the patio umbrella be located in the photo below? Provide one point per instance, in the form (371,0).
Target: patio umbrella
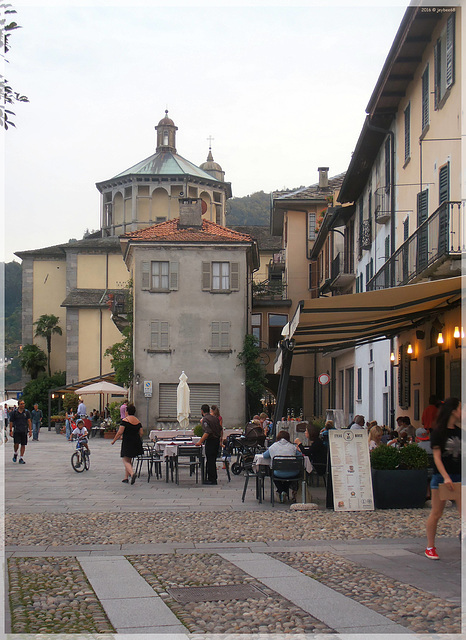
(182,402)
(101,387)
(11,402)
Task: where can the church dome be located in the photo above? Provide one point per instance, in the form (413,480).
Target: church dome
(166,120)
(210,165)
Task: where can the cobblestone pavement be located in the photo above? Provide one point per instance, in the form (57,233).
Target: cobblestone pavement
(181,537)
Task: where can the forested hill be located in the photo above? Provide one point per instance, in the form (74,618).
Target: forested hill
(249,210)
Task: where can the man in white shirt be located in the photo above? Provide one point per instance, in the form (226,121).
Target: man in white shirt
(358,423)
(82,411)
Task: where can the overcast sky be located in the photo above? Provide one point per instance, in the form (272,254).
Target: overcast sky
(281,89)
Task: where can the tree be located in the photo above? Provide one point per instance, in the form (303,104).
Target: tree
(256,378)
(121,353)
(38,391)
(33,360)
(8,95)
(46,326)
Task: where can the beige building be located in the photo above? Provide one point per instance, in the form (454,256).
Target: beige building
(75,281)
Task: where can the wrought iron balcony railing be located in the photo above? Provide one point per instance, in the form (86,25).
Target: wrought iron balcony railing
(365,237)
(269,290)
(438,238)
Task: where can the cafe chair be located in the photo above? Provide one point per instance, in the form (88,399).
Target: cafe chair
(153,461)
(193,460)
(288,464)
(248,472)
(319,470)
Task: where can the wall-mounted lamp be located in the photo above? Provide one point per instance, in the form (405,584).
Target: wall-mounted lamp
(440,338)
(138,378)
(458,335)
(409,349)
(392,360)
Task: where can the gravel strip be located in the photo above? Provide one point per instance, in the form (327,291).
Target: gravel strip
(410,607)
(50,595)
(272,614)
(57,529)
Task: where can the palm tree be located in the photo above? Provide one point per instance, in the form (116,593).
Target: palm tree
(45,327)
(32,359)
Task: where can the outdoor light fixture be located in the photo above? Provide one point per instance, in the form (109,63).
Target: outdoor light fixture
(457,336)
(456,333)
(440,338)
(392,357)
(409,349)
(138,377)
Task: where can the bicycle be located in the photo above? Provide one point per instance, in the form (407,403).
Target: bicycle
(80,459)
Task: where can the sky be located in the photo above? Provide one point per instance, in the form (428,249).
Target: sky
(282,90)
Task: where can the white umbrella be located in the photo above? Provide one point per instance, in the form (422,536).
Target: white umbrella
(11,402)
(182,402)
(101,387)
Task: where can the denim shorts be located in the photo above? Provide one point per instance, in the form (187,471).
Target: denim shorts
(437,479)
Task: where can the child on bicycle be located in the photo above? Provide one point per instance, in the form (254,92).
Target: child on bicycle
(81,433)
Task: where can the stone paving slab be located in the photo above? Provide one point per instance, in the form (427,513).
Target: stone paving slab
(335,610)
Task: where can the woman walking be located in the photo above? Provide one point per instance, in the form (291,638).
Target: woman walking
(445,440)
(131,446)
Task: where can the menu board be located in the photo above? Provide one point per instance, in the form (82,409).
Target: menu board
(351,470)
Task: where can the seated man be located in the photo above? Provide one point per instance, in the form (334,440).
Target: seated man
(283,447)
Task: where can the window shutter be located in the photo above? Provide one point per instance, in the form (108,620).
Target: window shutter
(173,277)
(164,342)
(206,276)
(436,73)
(234,276)
(408,131)
(444,183)
(450,48)
(215,339)
(425,98)
(225,334)
(145,275)
(387,165)
(154,334)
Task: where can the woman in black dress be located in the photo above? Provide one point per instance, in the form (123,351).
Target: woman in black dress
(131,446)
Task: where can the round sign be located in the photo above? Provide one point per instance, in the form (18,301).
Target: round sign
(324,378)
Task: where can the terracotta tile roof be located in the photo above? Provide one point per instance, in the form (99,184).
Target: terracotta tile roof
(311,193)
(169,232)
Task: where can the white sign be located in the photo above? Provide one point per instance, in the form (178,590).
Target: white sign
(148,388)
(351,470)
(324,378)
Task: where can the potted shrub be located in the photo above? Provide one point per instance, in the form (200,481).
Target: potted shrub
(197,431)
(58,422)
(399,477)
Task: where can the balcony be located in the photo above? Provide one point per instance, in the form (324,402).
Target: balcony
(340,275)
(365,237)
(269,290)
(434,250)
(382,206)
(277,264)
(120,306)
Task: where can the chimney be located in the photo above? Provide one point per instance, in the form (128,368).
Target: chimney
(190,213)
(323,177)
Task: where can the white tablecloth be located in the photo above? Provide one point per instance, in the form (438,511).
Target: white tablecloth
(170,449)
(260,461)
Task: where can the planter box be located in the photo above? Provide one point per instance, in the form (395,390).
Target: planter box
(109,435)
(400,488)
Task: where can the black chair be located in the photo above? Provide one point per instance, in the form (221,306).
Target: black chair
(319,470)
(195,461)
(288,464)
(152,458)
(248,472)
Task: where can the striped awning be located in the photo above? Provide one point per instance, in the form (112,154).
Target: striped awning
(341,322)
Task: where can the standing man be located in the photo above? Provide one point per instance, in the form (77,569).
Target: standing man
(211,436)
(20,428)
(123,408)
(82,411)
(36,414)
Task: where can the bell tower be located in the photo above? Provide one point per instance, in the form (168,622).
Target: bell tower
(166,134)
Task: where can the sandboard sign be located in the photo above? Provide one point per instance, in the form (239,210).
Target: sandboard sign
(351,470)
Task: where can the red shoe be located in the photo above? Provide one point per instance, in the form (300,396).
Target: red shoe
(431,553)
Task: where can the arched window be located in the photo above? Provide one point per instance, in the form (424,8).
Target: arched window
(165,138)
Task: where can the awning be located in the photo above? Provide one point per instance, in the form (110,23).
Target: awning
(341,322)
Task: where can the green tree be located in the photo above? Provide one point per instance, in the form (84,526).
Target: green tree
(256,377)
(9,96)
(46,326)
(38,391)
(33,360)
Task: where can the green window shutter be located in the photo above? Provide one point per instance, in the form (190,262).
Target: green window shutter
(173,285)
(450,52)
(215,339)
(145,280)
(436,73)
(425,98)
(444,183)
(206,276)
(234,276)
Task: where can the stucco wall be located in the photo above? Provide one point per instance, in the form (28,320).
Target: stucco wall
(189,311)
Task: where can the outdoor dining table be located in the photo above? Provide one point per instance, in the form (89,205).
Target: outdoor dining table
(169,450)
